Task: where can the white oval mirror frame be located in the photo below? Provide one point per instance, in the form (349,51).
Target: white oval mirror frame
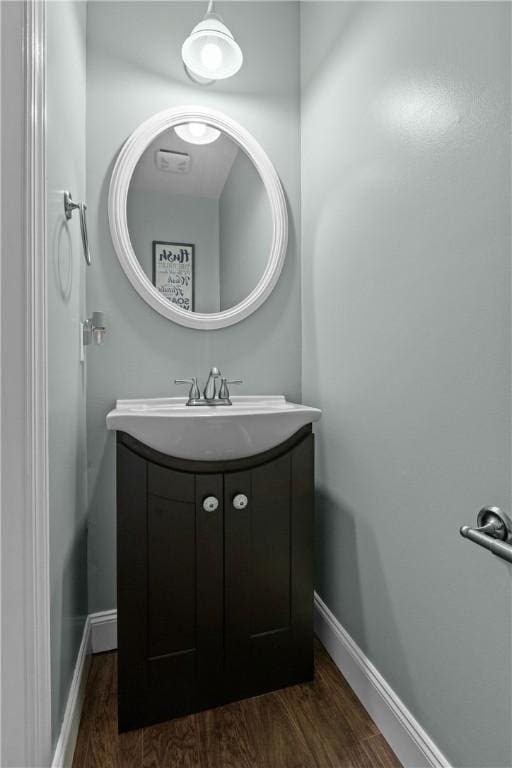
(124,167)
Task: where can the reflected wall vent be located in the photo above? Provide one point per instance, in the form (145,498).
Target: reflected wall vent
(172,162)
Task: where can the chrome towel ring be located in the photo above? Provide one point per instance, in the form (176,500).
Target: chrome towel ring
(69,207)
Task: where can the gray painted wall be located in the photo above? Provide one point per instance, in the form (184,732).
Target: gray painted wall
(131,75)
(66,30)
(153,215)
(245,232)
(406,346)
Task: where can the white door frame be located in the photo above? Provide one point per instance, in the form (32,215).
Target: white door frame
(25,506)
(37,598)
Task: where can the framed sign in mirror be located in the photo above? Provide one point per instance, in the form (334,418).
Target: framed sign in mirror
(198,187)
(173,272)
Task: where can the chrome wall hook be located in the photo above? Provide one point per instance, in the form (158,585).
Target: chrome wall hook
(69,207)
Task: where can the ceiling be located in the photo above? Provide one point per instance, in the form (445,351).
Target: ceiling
(210,165)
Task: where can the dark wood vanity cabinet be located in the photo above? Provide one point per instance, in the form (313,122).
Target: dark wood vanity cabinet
(213,605)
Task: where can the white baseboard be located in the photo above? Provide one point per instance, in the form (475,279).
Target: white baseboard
(64,751)
(413,747)
(103,631)
(100,634)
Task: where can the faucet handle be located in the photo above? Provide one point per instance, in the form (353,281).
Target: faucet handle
(194,393)
(224,391)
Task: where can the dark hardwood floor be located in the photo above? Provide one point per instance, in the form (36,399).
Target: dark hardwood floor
(316,725)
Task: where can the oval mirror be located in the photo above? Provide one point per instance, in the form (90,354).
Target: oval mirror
(198,217)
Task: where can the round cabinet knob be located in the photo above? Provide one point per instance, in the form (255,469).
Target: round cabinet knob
(240,501)
(210,504)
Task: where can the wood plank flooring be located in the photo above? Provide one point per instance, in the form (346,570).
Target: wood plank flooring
(315,725)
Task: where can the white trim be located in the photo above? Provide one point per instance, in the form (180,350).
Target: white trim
(65,748)
(124,167)
(103,631)
(37,563)
(100,634)
(412,745)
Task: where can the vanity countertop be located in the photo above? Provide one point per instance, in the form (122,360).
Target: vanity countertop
(251,425)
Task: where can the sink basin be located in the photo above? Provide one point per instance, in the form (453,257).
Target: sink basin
(211,433)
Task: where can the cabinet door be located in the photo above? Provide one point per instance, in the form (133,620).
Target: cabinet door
(171,619)
(184,578)
(131,587)
(268,574)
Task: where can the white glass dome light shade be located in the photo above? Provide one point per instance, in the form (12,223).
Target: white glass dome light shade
(197,133)
(211,52)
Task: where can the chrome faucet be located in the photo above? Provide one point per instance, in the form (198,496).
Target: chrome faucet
(210,390)
(224,398)
(194,395)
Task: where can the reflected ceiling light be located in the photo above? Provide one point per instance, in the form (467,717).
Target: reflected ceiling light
(211,52)
(197,133)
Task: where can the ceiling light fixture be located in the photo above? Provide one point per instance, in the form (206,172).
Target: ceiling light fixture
(211,52)
(197,133)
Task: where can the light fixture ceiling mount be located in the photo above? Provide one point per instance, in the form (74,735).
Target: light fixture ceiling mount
(211,52)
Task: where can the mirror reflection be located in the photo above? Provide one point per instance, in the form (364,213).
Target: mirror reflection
(199,218)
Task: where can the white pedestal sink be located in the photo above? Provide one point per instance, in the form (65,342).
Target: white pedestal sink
(250,425)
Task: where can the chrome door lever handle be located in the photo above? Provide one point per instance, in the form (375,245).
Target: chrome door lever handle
(493,531)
